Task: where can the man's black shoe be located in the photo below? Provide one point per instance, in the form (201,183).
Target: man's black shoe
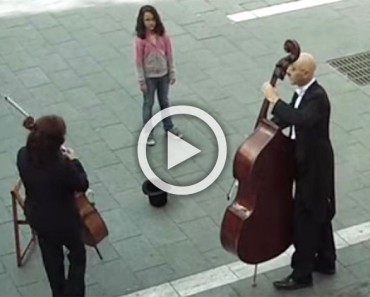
(289,283)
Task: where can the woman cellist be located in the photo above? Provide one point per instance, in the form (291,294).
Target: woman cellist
(51,177)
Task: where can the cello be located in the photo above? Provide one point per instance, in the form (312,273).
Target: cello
(258,225)
(94,228)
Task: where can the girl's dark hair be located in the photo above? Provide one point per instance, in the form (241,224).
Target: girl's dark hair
(140,27)
(45,139)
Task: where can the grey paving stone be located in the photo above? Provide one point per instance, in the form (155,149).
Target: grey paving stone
(27,34)
(73,22)
(95,290)
(185,210)
(66,79)
(46,95)
(116,178)
(156,275)
(7,287)
(184,258)
(9,45)
(117,136)
(219,257)
(203,233)
(360,289)
(97,155)
(120,225)
(139,253)
(155,224)
(71,49)
(200,31)
(106,249)
(31,273)
(100,82)
(5,213)
(19,61)
(328,285)
(185,43)
(120,280)
(99,115)
(215,206)
(6,184)
(84,65)
(120,38)
(224,78)
(42,21)
(81,133)
(52,63)
(219,45)
(103,52)
(33,77)
(353,255)
(34,289)
(56,34)
(2,268)
(62,108)
(81,98)
(128,156)
(203,58)
(106,24)
(7,166)
(7,246)
(179,12)
(87,37)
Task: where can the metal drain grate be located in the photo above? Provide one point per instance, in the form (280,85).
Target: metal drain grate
(355,67)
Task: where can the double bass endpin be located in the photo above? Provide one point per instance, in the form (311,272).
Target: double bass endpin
(254,284)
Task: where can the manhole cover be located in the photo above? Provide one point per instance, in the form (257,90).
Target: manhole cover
(356,67)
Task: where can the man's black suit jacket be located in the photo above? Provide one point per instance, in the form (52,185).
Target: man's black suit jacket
(315,192)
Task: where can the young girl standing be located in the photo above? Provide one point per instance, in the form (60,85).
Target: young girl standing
(155,65)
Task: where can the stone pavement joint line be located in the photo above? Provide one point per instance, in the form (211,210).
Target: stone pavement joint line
(236,271)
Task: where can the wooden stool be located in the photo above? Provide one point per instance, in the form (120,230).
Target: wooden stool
(18,200)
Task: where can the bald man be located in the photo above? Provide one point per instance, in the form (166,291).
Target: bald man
(308,116)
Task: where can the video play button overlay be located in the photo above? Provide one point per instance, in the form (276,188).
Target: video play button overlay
(178,150)
(188,149)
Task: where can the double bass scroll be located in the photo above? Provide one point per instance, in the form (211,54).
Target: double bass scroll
(258,225)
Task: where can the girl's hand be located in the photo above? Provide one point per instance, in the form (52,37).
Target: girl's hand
(172,81)
(143,88)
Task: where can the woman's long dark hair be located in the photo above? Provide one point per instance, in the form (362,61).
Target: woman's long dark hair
(140,27)
(45,139)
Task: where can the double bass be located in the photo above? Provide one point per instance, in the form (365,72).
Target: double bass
(258,225)
(94,228)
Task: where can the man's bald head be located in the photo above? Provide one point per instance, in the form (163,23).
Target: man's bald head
(302,70)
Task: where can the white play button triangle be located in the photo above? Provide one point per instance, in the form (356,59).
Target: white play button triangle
(178,150)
